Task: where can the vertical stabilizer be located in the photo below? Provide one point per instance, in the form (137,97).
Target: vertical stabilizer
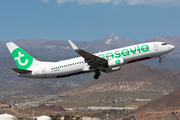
(22,59)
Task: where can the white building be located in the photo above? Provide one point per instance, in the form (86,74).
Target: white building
(7,117)
(109,108)
(89,118)
(86,118)
(99,107)
(43,118)
(139,100)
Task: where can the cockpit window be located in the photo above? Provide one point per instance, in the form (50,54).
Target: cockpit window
(164,44)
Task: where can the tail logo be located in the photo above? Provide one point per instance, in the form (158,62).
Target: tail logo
(22,59)
(19,59)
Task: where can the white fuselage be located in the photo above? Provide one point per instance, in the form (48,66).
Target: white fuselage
(77,65)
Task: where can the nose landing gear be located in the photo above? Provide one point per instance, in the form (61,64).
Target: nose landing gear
(160,60)
(97,74)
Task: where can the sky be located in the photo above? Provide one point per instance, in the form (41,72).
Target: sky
(87,20)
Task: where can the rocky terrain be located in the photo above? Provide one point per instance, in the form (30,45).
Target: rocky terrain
(134,77)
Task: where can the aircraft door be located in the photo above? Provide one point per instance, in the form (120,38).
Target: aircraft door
(43,71)
(155,46)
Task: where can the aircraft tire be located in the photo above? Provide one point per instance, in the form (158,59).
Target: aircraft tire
(96,76)
(160,61)
(98,73)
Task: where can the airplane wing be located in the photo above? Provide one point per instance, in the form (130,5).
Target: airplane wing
(92,60)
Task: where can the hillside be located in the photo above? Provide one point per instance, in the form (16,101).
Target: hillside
(168,106)
(115,41)
(168,102)
(62,89)
(43,89)
(133,77)
(40,89)
(132,81)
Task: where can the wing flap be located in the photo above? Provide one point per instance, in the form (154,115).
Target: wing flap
(21,71)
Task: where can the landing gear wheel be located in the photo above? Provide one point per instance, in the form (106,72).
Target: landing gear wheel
(96,76)
(98,73)
(160,61)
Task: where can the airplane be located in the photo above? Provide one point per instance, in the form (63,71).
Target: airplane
(107,61)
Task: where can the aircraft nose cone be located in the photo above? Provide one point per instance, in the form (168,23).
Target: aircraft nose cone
(171,47)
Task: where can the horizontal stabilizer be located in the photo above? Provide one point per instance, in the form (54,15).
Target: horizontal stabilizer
(21,71)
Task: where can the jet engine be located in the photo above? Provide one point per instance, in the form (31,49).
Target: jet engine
(115,62)
(108,70)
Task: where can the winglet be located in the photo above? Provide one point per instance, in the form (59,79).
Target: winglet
(73,45)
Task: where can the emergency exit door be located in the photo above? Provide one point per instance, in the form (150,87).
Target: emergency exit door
(156,47)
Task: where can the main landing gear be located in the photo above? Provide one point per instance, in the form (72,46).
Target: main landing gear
(160,60)
(97,74)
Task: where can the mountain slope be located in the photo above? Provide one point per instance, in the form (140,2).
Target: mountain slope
(168,102)
(63,88)
(133,77)
(40,89)
(43,89)
(113,40)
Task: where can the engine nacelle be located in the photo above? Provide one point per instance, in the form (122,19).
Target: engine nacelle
(115,62)
(112,69)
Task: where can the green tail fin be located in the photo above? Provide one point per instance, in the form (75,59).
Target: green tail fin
(22,59)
